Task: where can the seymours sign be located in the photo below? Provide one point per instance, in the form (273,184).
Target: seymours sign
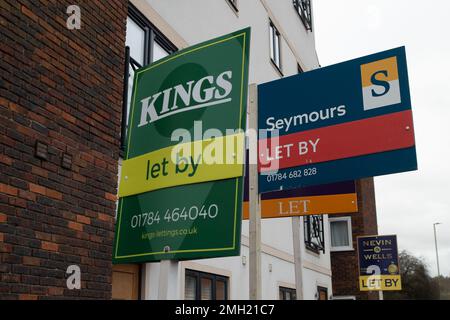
(180,191)
(378,263)
(347,121)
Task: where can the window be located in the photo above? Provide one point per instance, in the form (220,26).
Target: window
(314,236)
(144,45)
(303,8)
(288,294)
(233,4)
(322,293)
(205,286)
(341,234)
(344,298)
(275,55)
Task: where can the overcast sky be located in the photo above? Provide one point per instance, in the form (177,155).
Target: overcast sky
(407,203)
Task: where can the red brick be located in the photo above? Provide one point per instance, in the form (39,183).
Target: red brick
(87,157)
(6,160)
(79,178)
(31,261)
(75,226)
(43,236)
(49,246)
(110,196)
(104,217)
(73,94)
(39,171)
(28,297)
(37,189)
(68,117)
(29,13)
(55,291)
(8,190)
(100,163)
(27,195)
(83,219)
(5,247)
(17,202)
(53,194)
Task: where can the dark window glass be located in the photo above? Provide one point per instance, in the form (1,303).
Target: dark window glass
(339,231)
(190,288)
(314,235)
(303,8)
(221,290)
(288,294)
(322,293)
(275,52)
(205,286)
(145,44)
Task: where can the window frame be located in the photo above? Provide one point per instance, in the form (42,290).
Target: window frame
(152,35)
(324,290)
(233,4)
(309,245)
(198,275)
(272,42)
(306,18)
(343,298)
(282,293)
(350,247)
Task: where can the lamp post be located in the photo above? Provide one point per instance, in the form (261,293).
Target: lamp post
(435,244)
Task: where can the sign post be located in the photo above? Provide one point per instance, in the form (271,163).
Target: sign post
(254,201)
(298,264)
(181,183)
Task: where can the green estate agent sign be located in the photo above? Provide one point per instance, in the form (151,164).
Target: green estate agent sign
(180,191)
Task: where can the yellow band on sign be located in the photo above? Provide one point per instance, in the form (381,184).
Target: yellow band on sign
(380,283)
(193,162)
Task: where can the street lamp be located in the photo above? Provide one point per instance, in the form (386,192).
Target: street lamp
(435,244)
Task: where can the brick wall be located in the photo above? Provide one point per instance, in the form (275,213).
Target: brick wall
(345,264)
(63,88)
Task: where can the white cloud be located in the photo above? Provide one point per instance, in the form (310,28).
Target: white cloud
(409,203)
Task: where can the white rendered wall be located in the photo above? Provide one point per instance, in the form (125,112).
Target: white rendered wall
(195,21)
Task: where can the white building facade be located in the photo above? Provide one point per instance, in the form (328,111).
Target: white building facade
(282,44)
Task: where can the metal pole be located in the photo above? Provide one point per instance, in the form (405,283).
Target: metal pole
(435,244)
(125,97)
(164,271)
(298,265)
(254,201)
